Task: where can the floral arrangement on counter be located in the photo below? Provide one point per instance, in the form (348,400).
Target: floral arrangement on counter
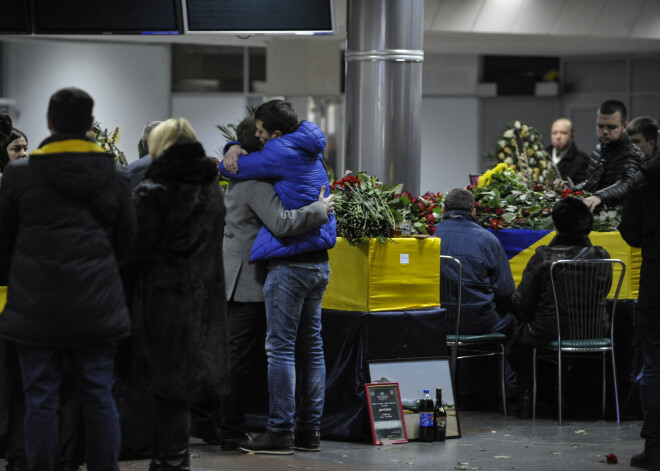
(108,140)
(366,208)
(502,201)
(538,160)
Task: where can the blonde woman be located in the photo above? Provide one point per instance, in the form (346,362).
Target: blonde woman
(178,300)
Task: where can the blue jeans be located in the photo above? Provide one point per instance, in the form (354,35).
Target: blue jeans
(650,393)
(293,293)
(92,368)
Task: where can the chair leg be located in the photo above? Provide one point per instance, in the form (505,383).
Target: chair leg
(503,378)
(604,373)
(534,383)
(559,384)
(616,389)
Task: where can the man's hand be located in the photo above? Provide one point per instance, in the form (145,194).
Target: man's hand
(328,203)
(231,158)
(593,201)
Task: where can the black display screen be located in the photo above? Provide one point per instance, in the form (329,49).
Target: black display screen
(14,17)
(255,16)
(106,17)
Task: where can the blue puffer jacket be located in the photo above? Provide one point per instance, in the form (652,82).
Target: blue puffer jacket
(487,279)
(294,163)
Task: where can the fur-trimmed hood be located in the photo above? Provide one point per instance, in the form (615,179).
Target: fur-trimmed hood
(183,163)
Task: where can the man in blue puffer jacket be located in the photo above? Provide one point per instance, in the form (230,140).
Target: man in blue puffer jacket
(298,273)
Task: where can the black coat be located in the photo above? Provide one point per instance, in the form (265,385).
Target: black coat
(640,227)
(178,302)
(611,170)
(66,219)
(573,164)
(533,300)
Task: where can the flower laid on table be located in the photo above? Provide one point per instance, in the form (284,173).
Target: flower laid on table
(108,140)
(422,211)
(361,208)
(502,201)
(538,160)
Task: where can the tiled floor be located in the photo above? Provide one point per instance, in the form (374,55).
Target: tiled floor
(489,442)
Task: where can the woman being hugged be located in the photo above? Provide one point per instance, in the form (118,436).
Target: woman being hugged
(178,301)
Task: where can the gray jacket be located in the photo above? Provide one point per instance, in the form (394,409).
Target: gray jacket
(251,204)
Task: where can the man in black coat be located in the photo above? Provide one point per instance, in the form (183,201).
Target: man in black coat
(571,162)
(640,227)
(614,161)
(67,223)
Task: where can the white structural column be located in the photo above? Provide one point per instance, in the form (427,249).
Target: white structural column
(384,89)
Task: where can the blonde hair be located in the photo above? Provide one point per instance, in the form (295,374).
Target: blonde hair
(170,132)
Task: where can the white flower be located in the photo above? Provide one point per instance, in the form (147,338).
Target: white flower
(508,134)
(517,125)
(508,160)
(501,142)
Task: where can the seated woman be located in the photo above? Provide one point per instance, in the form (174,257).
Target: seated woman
(533,301)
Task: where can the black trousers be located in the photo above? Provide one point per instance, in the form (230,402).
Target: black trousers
(248,369)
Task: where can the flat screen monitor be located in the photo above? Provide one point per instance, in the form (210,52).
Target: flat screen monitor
(259,16)
(107,16)
(14,18)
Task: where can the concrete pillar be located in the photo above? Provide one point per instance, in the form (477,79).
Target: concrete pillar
(384,89)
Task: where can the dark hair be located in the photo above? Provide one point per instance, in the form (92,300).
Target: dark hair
(644,125)
(246,133)
(12,136)
(5,122)
(70,111)
(277,115)
(572,216)
(459,199)
(612,106)
(5,140)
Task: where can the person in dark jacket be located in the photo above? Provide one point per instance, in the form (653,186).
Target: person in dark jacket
(487,280)
(614,161)
(178,301)
(138,169)
(571,162)
(68,223)
(643,132)
(533,301)
(640,227)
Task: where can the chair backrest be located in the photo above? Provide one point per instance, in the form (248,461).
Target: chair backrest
(451,281)
(580,289)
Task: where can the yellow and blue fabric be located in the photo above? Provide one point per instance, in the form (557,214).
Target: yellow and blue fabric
(521,244)
(399,274)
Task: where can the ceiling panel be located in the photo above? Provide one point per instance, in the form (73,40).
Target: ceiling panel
(456,15)
(498,16)
(648,22)
(618,20)
(578,17)
(537,17)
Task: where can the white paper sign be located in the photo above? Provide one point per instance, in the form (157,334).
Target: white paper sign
(404,259)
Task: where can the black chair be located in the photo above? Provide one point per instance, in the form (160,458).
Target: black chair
(464,346)
(585,323)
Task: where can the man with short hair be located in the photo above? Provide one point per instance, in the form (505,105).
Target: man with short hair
(487,280)
(640,227)
(614,160)
(138,169)
(643,132)
(571,162)
(68,222)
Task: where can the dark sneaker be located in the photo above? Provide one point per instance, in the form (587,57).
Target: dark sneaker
(307,440)
(644,461)
(230,442)
(268,443)
(207,432)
